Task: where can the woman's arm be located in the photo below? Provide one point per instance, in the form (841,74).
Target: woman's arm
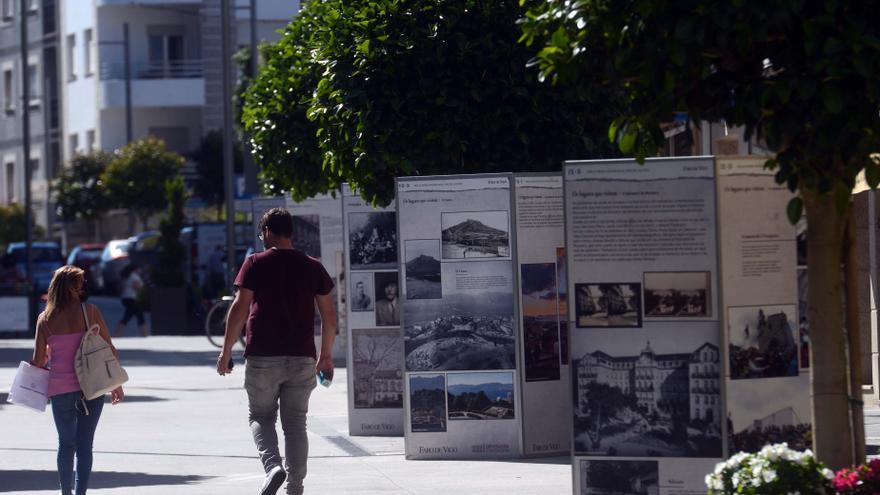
(40,357)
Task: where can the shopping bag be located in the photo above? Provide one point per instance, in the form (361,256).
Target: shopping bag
(30,387)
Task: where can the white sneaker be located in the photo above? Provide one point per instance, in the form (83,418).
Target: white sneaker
(274,478)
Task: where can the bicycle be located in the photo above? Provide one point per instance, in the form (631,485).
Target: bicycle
(215,322)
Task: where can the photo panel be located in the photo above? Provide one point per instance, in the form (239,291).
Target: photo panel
(480,396)
(387,291)
(362,292)
(377,369)
(475,234)
(770,411)
(423,274)
(540,321)
(640,393)
(562,287)
(671,295)
(762,341)
(619,477)
(307,234)
(372,240)
(613,305)
(427,402)
(803,325)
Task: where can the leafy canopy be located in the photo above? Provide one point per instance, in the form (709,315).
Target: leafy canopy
(169,270)
(209,167)
(801,75)
(365,90)
(79,191)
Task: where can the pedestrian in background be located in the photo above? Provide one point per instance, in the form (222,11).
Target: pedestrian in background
(132,283)
(60,329)
(277,291)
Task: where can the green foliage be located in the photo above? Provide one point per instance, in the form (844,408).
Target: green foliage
(365,90)
(79,191)
(135,178)
(800,75)
(171,252)
(209,165)
(13,225)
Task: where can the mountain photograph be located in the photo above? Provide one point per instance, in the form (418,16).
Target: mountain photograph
(479,234)
(423,280)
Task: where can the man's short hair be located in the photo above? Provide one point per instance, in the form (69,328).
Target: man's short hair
(278,221)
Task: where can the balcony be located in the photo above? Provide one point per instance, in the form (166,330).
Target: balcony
(178,83)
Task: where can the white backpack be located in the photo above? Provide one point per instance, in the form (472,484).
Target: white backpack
(97,368)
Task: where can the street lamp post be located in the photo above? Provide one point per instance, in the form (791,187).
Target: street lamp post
(225,12)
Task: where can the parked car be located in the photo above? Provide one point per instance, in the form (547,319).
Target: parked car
(46,259)
(85,256)
(105,272)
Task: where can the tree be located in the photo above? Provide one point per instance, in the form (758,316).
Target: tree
(79,191)
(169,271)
(799,75)
(135,178)
(209,166)
(366,90)
(13,226)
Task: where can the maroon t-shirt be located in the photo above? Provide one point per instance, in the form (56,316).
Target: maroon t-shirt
(282,314)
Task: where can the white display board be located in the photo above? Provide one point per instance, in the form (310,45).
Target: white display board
(543,303)
(14,314)
(768,379)
(457,259)
(645,337)
(375,343)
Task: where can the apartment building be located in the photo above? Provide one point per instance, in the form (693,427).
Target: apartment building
(43,103)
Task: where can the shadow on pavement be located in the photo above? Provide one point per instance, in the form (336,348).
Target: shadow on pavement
(20,480)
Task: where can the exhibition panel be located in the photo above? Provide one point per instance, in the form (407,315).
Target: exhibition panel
(462,394)
(375,346)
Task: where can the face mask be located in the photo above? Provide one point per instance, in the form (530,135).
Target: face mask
(83,295)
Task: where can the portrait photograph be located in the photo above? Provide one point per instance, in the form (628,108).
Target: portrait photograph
(362,296)
(387,305)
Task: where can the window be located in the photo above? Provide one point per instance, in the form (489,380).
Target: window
(34,84)
(33,5)
(8,92)
(88,58)
(73,144)
(90,140)
(35,165)
(166,51)
(10,182)
(7,7)
(71,57)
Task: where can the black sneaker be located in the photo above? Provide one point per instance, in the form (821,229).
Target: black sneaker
(274,478)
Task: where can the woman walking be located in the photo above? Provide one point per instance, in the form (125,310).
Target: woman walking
(131,285)
(60,329)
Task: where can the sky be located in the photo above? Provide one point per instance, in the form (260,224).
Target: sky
(476,378)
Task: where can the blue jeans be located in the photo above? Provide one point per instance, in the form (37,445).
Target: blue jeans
(76,431)
(285,383)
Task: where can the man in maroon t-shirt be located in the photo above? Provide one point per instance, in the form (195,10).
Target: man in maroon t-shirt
(277,291)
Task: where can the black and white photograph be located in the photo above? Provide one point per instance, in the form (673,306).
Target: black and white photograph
(475,234)
(480,396)
(608,305)
(763,341)
(427,403)
(803,324)
(540,321)
(307,234)
(423,280)
(467,329)
(769,412)
(372,240)
(387,300)
(619,477)
(378,368)
(650,394)
(677,295)
(562,286)
(362,296)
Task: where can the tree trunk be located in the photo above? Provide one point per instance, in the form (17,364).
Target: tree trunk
(832,432)
(853,334)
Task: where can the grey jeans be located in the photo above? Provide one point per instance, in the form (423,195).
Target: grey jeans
(287,381)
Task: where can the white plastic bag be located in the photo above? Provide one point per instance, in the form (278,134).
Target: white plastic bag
(30,387)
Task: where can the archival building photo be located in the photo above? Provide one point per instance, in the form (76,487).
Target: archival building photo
(361,297)
(608,305)
(480,396)
(762,341)
(619,477)
(427,402)
(423,269)
(475,234)
(372,240)
(562,287)
(471,328)
(378,368)
(677,295)
(307,234)
(540,321)
(387,300)
(771,411)
(648,394)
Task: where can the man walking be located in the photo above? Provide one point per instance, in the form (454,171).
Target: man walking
(277,291)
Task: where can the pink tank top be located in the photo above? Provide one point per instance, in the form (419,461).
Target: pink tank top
(62,374)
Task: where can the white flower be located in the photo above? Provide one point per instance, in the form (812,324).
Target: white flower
(828,474)
(769,475)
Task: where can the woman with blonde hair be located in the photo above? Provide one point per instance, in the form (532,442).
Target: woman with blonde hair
(60,329)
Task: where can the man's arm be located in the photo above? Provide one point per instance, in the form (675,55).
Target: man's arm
(235,321)
(328,333)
